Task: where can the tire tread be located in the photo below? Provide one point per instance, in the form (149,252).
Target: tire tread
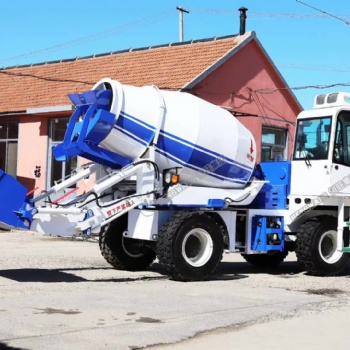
(306,246)
(164,244)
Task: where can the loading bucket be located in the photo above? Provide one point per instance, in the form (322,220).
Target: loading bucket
(12,199)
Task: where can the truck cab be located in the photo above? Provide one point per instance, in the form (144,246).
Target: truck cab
(321,157)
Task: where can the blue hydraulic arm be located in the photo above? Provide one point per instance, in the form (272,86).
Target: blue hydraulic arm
(90,123)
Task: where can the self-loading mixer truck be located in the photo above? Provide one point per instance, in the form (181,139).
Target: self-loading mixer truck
(180,184)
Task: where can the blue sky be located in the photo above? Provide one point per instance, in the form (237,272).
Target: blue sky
(309,47)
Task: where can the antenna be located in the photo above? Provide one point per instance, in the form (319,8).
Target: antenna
(181,24)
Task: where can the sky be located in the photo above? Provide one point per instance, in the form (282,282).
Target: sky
(308,41)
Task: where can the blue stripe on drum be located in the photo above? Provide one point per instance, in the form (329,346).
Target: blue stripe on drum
(184,152)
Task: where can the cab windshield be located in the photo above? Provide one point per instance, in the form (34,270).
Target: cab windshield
(312,138)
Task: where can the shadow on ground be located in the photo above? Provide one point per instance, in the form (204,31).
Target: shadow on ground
(225,272)
(287,267)
(59,276)
(4,346)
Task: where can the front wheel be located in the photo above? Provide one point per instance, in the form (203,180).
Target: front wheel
(316,247)
(190,246)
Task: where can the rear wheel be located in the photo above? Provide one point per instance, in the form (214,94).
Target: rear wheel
(121,252)
(190,246)
(316,247)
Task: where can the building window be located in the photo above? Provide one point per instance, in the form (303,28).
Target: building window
(273,143)
(8,147)
(58,170)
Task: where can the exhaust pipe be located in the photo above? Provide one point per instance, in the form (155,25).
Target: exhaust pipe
(242,17)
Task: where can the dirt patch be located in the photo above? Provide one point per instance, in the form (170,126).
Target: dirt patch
(148,320)
(51,311)
(331,292)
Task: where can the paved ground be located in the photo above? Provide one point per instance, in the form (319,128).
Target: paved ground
(61,294)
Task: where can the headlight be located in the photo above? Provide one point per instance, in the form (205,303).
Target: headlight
(171,178)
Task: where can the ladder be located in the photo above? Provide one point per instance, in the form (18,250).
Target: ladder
(341,225)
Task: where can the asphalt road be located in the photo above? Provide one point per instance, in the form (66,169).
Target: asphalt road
(61,294)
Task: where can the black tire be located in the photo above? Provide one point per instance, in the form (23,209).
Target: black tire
(121,252)
(190,246)
(316,247)
(266,260)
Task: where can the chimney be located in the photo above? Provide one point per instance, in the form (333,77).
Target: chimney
(242,17)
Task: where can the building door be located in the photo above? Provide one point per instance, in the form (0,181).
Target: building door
(58,171)
(8,147)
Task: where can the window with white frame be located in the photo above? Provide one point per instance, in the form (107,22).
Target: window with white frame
(273,143)
(8,146)
(58,170)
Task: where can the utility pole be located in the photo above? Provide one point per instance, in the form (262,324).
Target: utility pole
(181,24)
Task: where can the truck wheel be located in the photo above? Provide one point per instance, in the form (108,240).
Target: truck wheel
(121,252)
(269,259)
(316,249)
(190,246)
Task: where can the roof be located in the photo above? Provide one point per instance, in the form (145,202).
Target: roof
(171,66)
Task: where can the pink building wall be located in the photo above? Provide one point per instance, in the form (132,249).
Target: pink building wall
(32,151)
(233,85)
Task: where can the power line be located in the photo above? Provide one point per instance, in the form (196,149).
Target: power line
(45,78)
(262,91)
(97,36)
(56,80)
(324,68)
(324,12)
(271,91)
(160,17)
(265,15)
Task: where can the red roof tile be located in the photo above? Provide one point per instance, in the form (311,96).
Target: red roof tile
(168,67)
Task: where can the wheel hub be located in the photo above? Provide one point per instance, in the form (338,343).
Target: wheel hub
(132,248)
(193,247)
(328,247)
(197,247)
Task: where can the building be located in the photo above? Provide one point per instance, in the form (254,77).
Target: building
(234,72)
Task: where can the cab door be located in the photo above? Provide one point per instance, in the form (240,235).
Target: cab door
(311,157)
(340,168)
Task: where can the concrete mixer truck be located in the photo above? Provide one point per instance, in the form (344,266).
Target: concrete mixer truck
(178,182)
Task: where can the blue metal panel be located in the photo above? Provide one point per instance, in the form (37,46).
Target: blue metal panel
(277,173)
(12,199)
(99,126)
(216,203)
(273,194)
(82,138)
(64,152)
(267,233)
(272,197)
(101,98)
